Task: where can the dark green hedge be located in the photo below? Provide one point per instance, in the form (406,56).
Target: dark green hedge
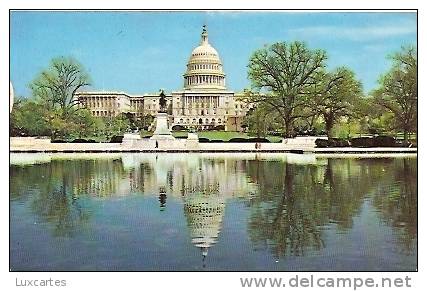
(360,142)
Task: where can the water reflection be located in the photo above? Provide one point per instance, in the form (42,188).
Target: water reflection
(292,201)
(204,213)
(297,202)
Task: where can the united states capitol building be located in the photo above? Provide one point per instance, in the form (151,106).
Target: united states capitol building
(203,103)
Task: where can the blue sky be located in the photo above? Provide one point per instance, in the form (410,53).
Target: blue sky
(140,52)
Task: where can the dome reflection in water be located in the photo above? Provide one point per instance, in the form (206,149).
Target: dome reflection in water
(218,212)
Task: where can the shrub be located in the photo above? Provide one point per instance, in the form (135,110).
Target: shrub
(58,141)
(362,142)
(82,140)
(238,139)
(116,139)
(217,140)
(179,127)
(384,141)
(321,143)
(202,139)
(338,142)
(258,139)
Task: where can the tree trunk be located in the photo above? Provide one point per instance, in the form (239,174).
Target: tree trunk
(328,128)
(288,128)
(328,125)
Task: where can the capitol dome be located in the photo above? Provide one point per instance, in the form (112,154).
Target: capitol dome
(204,68)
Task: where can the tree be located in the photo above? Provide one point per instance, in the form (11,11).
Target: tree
(398,90)
(337,96)
(57,84)
(116,126)
(260,120)
(145,121)
(28,118)
(84,124)
(285,74)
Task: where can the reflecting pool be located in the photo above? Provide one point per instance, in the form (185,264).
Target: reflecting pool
(201,212)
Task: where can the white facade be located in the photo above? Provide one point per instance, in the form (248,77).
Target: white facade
(203,103)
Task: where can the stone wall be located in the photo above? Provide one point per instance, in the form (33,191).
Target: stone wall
(27,144)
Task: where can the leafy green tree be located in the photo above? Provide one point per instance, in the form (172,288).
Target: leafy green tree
(260,121)
(56,85)
(28,118)
(285,74)
(144,122)
(398,90)
(84,124)
(116,126)
(336,97)
(59,126)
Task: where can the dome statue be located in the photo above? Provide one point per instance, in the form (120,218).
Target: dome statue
(204,67)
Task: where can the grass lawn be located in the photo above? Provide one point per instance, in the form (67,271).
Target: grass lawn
(223,135)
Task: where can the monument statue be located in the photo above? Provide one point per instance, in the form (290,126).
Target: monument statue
(162,102)
(162,131)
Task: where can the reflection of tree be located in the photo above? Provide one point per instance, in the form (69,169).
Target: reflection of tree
(50,191)
(60,207)
(280,219)
(55,190)
(289,203)
(346,183)
(295,200)
(397,200)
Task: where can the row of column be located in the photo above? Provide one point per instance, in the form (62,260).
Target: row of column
(204,67)
(212,101)
(203,79)
(96,102)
